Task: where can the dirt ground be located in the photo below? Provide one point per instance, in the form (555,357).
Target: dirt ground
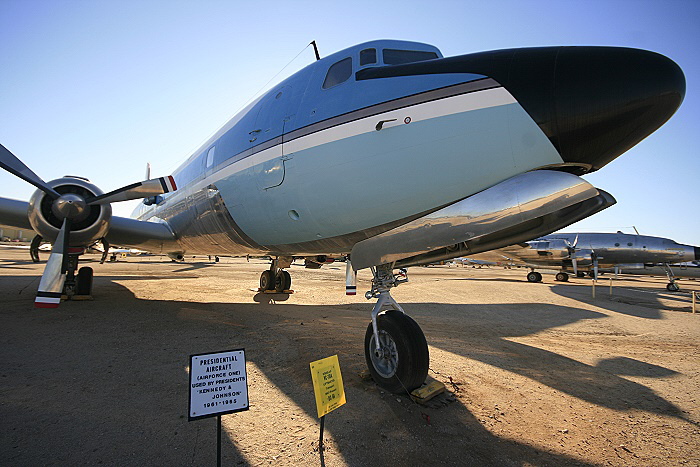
(537,374)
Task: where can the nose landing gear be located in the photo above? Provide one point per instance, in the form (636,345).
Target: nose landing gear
(396,351)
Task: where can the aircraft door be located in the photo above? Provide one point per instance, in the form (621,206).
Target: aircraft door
(272,120)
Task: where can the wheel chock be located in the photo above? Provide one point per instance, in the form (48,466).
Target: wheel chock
(424,393)
(76,298)
(274,291)
(365,375)
(81,297)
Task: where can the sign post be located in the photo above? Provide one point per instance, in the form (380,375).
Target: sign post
(328,389)
(218,385)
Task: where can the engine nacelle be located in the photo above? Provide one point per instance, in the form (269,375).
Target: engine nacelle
(91,225)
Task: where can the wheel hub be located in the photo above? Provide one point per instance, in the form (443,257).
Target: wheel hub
(386,358)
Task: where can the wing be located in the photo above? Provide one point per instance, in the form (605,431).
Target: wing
(150,236)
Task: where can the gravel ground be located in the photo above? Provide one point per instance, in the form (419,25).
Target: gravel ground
(537,374)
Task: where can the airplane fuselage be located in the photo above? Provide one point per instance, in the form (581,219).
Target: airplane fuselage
(404,147)
(611,249)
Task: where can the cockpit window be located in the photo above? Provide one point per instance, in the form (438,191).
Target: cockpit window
(338,73)
(368,56)
(397,57)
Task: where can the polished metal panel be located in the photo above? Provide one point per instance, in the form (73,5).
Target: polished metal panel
(205,226)
(155,237)
(521,198)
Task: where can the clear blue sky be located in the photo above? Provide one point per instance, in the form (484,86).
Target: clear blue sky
(98,88)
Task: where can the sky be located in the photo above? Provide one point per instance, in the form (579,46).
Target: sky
(99,88)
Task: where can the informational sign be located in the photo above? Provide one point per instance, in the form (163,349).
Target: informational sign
(218,384)
(328,384)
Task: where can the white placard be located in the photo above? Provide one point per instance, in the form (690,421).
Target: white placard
(218,384)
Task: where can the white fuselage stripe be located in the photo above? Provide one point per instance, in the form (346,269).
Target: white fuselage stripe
(487,98)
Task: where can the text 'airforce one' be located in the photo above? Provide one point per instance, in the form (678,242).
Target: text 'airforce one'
(390,154)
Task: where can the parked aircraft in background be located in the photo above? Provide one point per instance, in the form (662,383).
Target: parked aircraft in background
(593,252)
(432,158)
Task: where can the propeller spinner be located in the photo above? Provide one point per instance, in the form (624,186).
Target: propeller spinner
(73,212)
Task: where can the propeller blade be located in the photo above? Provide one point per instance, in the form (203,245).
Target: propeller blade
(51,284)
(12,164)
(575,242)
(156,186)
(595,268)
(575,264)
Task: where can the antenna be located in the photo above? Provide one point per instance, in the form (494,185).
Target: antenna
(635,229)
(318,57)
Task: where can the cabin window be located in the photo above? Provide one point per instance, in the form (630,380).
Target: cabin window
(629,244)
(368,57)
(617,244)
(210,156)
(338,73)
(397,57)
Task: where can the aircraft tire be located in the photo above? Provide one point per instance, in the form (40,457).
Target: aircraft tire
(580,274)
(534,276)
(267,281)
(283,281)
(672,287)
(83,284)
(406,366)
(562,277)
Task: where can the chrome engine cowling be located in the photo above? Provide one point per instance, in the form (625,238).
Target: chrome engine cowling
(89,223)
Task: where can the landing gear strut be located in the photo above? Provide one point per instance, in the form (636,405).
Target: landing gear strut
(276,278)
(672,285)
(395,347)
(77,286)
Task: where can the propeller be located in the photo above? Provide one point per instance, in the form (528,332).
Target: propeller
(156,186)
(594,256)
(51,284)
(12,164)
(572,253)
(73,207)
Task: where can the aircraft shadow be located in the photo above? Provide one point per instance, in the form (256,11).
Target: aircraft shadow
(646,305)
(106,377)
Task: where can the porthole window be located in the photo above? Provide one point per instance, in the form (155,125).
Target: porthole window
(368,57)
(629,244)
(338,73)
(617,244)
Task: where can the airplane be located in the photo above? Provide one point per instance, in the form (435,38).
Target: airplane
(593,252)
(431,158)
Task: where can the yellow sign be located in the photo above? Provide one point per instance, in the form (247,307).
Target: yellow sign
(328,384)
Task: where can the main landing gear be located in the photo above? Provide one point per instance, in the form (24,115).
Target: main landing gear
(276,278)
(562,277)
(672,285)
(395,347)
(534,276)
(77,286)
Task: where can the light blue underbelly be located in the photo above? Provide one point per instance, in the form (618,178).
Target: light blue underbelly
(378,177)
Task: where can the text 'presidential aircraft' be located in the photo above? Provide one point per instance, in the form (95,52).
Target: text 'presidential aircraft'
(432,158)
(579,252)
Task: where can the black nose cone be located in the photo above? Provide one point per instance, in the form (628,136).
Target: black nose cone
(608,99)
(593,103)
